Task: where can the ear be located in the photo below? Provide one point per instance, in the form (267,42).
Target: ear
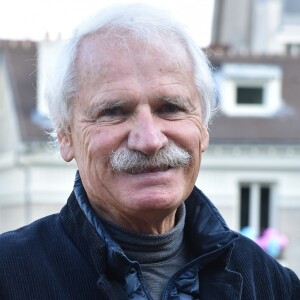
(205,138)
(65,145)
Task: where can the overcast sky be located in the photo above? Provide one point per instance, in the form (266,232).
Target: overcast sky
(31,19)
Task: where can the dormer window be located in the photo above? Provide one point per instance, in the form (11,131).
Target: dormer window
(249,90)
(249,95)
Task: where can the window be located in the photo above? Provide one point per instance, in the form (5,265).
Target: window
(249,89)
(249,95)
(245,206)
(256,209)
(264,221)
(293,49)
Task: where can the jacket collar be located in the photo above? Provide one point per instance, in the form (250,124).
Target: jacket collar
(205,228)
(84,227)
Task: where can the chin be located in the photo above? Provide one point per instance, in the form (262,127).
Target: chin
(157,201)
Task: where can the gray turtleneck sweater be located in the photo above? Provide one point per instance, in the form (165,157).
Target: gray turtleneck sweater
(159,255)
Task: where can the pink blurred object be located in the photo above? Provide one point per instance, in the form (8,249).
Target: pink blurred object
(272,241)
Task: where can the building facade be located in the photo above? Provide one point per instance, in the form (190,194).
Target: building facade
(257,26)
(254,154)
(34,181)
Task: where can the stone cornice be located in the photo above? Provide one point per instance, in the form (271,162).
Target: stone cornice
(252,157)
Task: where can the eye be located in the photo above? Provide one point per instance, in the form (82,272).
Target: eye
(114,111)
(170,108)
(112,114)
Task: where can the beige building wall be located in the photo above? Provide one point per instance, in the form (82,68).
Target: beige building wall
(225,167)
(34,186)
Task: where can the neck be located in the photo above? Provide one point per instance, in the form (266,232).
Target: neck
(150,223)
(149,248)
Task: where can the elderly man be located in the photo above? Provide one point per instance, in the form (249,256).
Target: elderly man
(130,102)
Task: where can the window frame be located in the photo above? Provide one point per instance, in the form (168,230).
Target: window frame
(255,205)
(267,77)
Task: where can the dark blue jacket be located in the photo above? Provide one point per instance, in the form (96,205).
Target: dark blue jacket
(70,256)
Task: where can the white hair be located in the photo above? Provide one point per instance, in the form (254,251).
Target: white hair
(143,22)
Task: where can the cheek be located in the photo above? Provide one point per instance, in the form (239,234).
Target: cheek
(101,141)
(188,135)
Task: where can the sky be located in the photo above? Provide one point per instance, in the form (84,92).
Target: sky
(32,19)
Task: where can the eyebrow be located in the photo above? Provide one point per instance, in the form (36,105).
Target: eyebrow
(102,105)
(179,101)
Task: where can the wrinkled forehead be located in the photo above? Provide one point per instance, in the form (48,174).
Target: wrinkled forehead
(128,45)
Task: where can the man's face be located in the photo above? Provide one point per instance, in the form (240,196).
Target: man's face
(138,98)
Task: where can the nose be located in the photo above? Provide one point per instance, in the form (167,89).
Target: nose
(146,135)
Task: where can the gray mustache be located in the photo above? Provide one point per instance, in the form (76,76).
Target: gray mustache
(125,160)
